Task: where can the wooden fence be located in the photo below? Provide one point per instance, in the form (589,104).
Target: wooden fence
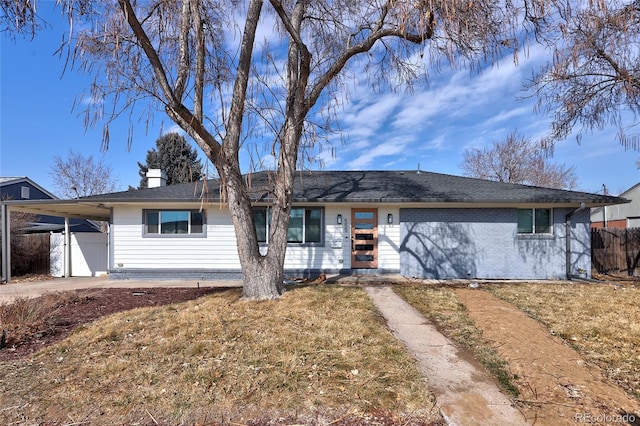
(616,251)
(30,254)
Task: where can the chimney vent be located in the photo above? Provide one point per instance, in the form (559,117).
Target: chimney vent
(156,178)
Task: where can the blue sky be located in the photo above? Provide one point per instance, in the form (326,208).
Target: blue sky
(431,127)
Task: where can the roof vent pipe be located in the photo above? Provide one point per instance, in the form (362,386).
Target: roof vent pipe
(156,178)
(567,224)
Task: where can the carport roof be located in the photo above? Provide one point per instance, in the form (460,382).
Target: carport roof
(64,208)
(337,186)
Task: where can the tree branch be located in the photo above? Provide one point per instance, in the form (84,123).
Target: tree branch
(183,65)
(149,50)
(239,96)
(200,62)
(361,47)
(293,30)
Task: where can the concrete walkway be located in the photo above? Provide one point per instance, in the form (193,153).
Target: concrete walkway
(9,292)
(465,393)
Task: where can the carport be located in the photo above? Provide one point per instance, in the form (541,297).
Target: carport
(66,209)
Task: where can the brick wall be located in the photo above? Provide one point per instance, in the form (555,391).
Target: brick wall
(484,243)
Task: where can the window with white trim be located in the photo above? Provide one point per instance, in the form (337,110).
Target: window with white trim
(174,222)
(305,224)
(534,221)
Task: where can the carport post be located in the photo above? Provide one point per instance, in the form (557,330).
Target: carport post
(67,248)
(6,242)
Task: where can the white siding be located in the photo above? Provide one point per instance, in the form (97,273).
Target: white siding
(218,250)
(389,239)
(132,250)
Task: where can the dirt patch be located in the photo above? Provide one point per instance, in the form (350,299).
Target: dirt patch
(617,279)
(84,306)
(557,385)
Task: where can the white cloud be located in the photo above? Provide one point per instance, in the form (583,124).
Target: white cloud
(385,149)
(510,114)
(174,128)
(365,119)
(91,100)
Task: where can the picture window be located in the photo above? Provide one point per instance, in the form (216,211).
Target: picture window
(305,225)
(174,222)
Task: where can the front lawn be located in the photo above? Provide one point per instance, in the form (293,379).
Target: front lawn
(317,355)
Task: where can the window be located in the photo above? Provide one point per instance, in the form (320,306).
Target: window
(261,219)
(174,222)
(534,221)
(305,225)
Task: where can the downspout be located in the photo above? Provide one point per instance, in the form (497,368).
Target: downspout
(67,248)
(604,208)
(567,224)
(110,242)
(6,243)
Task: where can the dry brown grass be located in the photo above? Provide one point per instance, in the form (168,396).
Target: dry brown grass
(601,321)
(318,353)
(26,318)
(441,305)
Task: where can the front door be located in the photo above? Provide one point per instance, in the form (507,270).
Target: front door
(364,238)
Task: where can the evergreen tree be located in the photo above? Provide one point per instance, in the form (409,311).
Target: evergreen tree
(175,156)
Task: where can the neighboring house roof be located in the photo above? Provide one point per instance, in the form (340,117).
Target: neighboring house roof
(6,183)
(11,192)
(372,186)
(337,186)
(8,179)
(622,212)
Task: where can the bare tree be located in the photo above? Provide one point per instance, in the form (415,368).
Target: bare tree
(517,159)
(594,78)
(80,176)
(231,93)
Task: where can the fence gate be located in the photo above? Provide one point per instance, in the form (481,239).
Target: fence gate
(89,254)
(616,251)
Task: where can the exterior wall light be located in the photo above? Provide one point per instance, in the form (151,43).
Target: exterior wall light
(339,219)
(389,218)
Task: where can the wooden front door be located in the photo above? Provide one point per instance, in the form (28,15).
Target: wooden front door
(364,238)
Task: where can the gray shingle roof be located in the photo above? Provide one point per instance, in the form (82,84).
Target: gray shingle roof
(373,186)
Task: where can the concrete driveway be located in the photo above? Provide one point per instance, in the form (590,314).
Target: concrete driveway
(9,292)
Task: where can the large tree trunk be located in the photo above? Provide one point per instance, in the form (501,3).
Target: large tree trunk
(262,278)
(262,275)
